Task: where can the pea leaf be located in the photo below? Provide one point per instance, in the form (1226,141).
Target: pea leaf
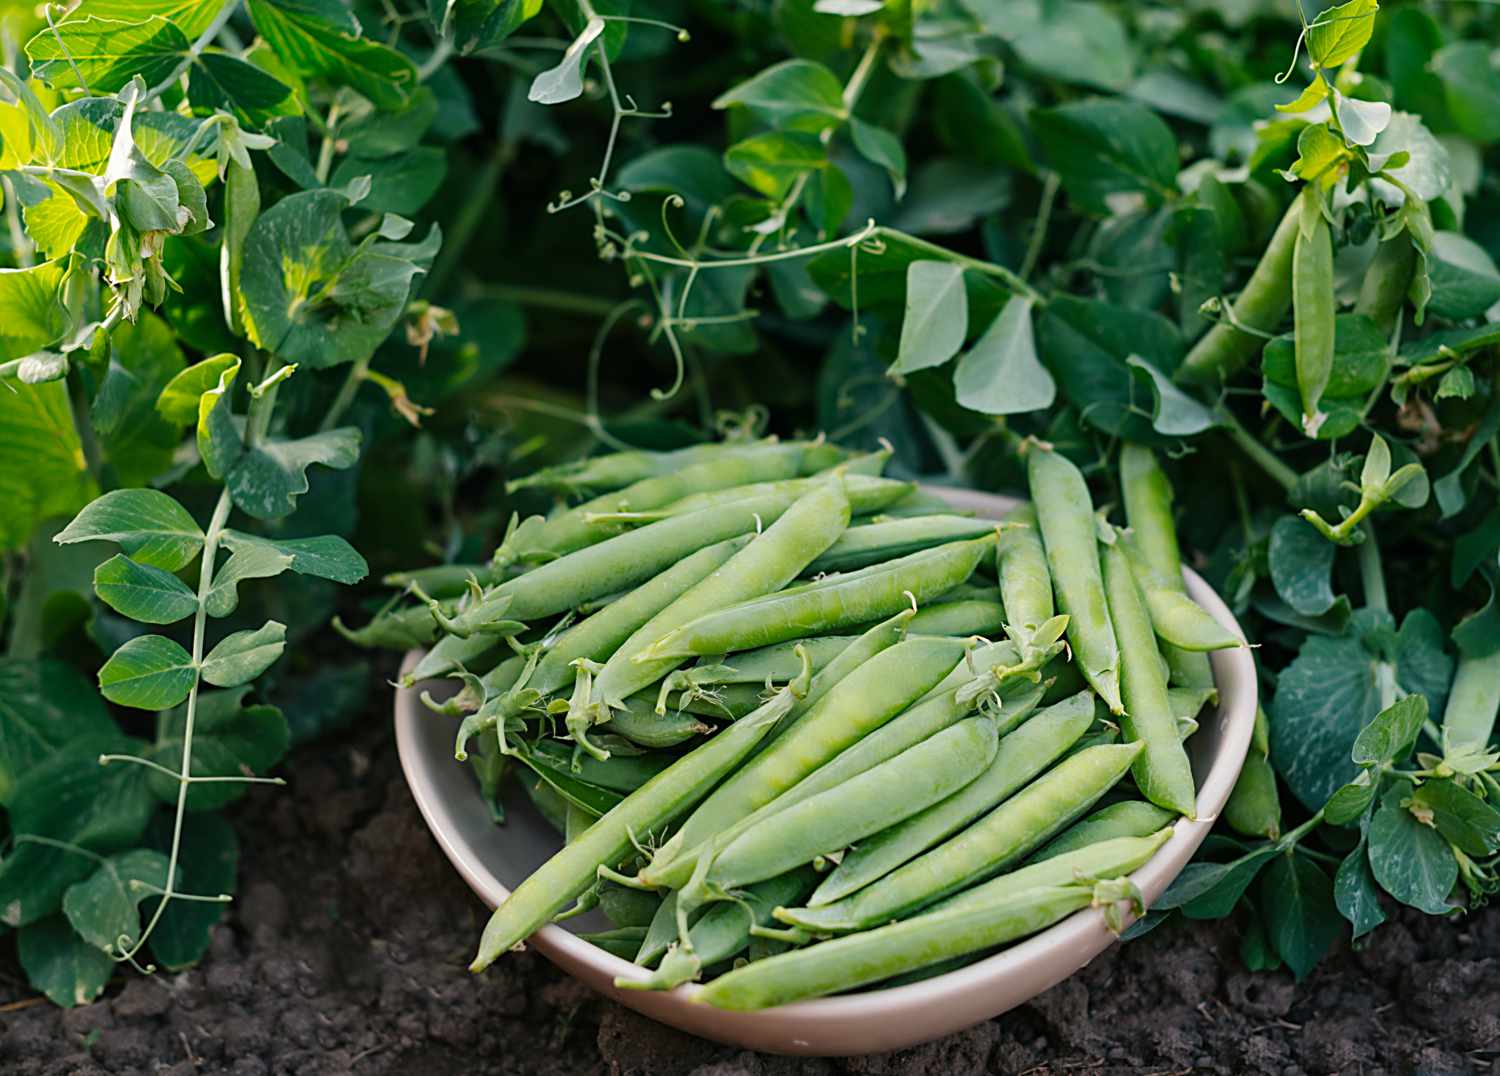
(1411,861)
(250,561)
(1350,801)
(220,82)
(1462,817)
(143,592)
(402,183)
(42,472)
(481,24)
(192,17)
(230,739)
(1301,563)
(1338,33)
(147,523)
(1471,85)
(326,556)
(1423,666)
(1393,732)
(1355,892)
(879,146)
(321,39)
(1105,146)
(143,358)
(1001,374)
(43,706)
(798,94)
(179,400)
(1173,412)
(267,480)
(62,965)
(1077,42)
(1449,490)
(937,316)
(1213,889)
(105,53)
(103,907)
(1296,900)
(1465,281)
(770,163)
(150,672)
(244,655)
(31,311)
(209,860)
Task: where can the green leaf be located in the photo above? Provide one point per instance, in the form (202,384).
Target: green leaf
(208,863)
(220,82)
(1296,900)
(481,24)
(146,523)
(321,39)
(937,316)
(62,965)
(1411,861)
(1393,732)
(250,561)
(1456,384)
(1471,84)
(1320,155)
(1355,892)
(269,477)
(150,672)
(1338,33)
(106,54)
(143,359)
(1211,890)
(103,908)
(1462,817)
(325,556)
(44,705)
(403,183)
(949,196)
(1449,490)
(311,297)
(31,312)
(1423,666)
(1465,281)
(770,163)
(1173,412)
(1105,146)
(1301,563)
(879,146)
(178,402)
(244,655)
(564,82)
(799,94)
(143,592)
(42,472)
(1361,360)
(1323,699)
(1350,801)
(229,740)
(1478,634)
(1000,374)
(1076,42)
(192,17)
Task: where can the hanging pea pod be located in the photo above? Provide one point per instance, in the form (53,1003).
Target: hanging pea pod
(1314,307)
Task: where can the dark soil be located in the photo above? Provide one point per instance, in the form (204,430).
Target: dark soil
(346,952)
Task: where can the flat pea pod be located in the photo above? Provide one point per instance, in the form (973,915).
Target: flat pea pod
(1021,756)
(620,942)
(638,721)
(1175,617)
(776,662)
(1107,857)
(1148,510)
(476,692)
(1128,818)
(608,841)
(1259,307)
(1162,770)
(1065,514)
(449,653)
(771,560)
(598,636)
(920,776)
(1020,824)
(723,931)
(446,580)
(1314,307)
(883,539)
(626,907)
(860,702)
(959,618)
(868,957)
(1254,806)
(661,932)
(578,527)
(630,559)
(1469,718)
(723,702)
(396,629)
(1021,564)
(616,469)
(867,493)
(832,603)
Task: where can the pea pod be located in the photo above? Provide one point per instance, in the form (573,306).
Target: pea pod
(1162,770)
(1254,806)
(867,493)
(1022,755)
(959,618)
(616,469)
(1469,719)
(862,701)
(1128,818)
(620,942)
(1313,309)
(1148,509)
(638,721)
(871,543)
(1021,564)
(1387,281)
(826,605)
(761,666)
(845,963)
(1066,517)
(1021,823)
(608,841)
(924,774)
(1175,617)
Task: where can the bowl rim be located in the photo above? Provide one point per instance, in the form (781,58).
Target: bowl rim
(1079,931)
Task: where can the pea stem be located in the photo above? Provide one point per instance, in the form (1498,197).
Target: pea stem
(1259,454)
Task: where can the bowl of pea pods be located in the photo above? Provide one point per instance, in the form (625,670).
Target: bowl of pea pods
(796,756)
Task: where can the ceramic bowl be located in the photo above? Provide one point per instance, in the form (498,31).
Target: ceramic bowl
(494,859)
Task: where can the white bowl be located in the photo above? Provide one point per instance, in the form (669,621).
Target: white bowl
(494,859)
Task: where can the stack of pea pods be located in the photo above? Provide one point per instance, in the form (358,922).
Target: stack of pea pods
(803,727)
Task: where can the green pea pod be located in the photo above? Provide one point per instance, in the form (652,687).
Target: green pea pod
(1387,281)
(638,721)
(1175,617)
(1128,818)
(1065,514)
(826,605)
(884,539)
(664,797)
(867,493)
(1021,564)
(446,580)
(925,774)
(1259,308)
(959,618)
(1313,308)
(861,702)
(1021,823)
(626,907)
(868,957)
(1162,770)
(397,629)
(1469,719)
(616,469)
(621,941)
(449,653)
(1022,755)
(661,934)
(1254,807)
